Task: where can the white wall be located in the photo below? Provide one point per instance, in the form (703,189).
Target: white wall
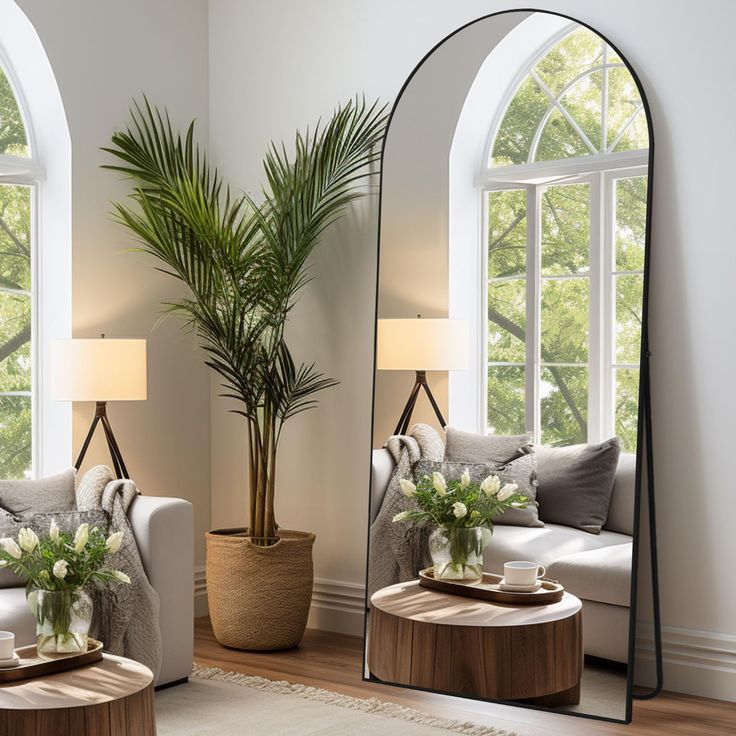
(278,65)
(103,54)
(415,209)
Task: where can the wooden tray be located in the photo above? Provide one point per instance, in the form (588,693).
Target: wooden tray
(550,591)
(31,665)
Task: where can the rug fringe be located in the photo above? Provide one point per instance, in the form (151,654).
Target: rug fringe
(367,705)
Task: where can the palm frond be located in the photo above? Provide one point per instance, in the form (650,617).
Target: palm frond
(244,261)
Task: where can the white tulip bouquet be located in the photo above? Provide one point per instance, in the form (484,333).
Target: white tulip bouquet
(58,567)
(463,513)
(62,561)
(459,503)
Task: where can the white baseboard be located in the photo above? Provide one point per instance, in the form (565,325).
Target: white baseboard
(337,606)
(200,592)
(695,662)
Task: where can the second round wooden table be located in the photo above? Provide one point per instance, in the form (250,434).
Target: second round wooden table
(113,697)
(464,646)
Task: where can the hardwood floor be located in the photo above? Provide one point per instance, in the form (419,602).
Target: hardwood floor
(333,661)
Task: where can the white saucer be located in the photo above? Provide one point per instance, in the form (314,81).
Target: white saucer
(508,587)
(6,664)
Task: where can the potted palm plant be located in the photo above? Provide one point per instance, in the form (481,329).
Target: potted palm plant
(244,263)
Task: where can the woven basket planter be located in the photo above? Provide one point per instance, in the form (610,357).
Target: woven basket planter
(259,597)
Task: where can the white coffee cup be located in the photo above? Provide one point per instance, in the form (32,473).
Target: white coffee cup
(7,644)
(522,572)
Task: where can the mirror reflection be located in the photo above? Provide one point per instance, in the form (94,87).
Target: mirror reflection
(511,293)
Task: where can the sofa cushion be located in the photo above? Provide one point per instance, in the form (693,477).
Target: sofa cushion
(55,493)
(602,575)
(576,482)
(521,471)
(621,510)
(467,447)
(543,545)
(15,616)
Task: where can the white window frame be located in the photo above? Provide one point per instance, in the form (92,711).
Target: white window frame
(27,171)
(601,276)
(472,175)
(47,171)
(599,169)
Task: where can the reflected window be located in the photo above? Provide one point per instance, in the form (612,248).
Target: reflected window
(566,194)
(579,99)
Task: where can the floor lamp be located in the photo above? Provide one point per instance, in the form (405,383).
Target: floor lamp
(100,370)
(421,345)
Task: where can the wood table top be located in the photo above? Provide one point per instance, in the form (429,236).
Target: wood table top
(111,679)
(411,601)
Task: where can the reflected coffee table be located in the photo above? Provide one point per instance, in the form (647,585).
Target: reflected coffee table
(464,646)
(113,697)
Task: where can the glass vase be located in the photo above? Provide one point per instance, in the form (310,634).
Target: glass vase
(63,618)
(457,552)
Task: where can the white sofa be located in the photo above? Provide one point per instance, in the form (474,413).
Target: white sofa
(594,567)
(164,531)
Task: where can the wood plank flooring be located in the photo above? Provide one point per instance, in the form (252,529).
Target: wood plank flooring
(334,661)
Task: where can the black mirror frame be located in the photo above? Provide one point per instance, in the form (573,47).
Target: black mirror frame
(644,448)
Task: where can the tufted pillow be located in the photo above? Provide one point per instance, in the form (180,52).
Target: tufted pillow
(521,471)
(68,521)
(8,528)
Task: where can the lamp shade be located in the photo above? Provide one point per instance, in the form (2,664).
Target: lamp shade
(99,369)
(422,345)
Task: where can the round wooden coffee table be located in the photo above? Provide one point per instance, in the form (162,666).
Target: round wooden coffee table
(113,697)
(464,646)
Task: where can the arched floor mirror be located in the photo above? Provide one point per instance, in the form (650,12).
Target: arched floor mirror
(512,288)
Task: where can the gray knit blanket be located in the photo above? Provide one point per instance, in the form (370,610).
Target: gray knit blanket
(126,617)
(398,551)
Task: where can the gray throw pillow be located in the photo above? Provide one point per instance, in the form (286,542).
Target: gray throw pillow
(576,483)
(521,471)
(55,493)
(68,521)
(467,447)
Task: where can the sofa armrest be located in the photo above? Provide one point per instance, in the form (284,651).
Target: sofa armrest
(164,532)
(381,470)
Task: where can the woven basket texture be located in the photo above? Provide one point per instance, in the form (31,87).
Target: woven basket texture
(259,597)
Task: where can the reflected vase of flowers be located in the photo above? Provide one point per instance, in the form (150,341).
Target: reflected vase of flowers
(462,512)
(457,552)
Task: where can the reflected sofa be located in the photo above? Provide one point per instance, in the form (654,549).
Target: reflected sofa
(594,567)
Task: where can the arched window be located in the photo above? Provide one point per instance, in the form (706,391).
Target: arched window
(565,187)
(35,252)
(17,214)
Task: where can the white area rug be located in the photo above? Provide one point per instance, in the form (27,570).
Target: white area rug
(219,703)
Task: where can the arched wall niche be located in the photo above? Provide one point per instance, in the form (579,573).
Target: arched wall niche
(415,200)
